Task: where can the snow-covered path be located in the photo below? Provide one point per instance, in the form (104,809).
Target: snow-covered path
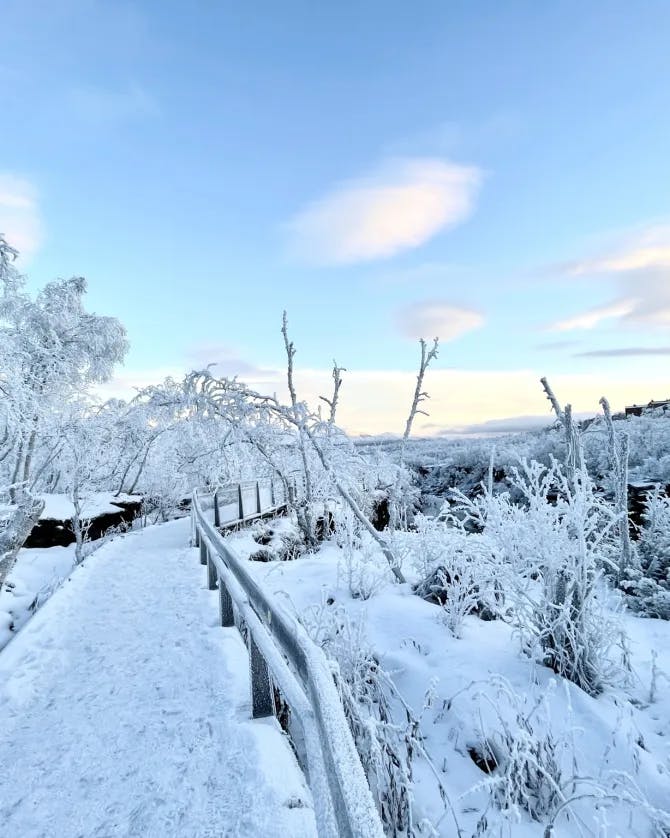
(124,710)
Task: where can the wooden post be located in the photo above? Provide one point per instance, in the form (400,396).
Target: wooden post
(239,501)
(217,516)
(262,694)
(226,613)
(258,497)
(211,574)
(203,551)
(197,535)
(272,491)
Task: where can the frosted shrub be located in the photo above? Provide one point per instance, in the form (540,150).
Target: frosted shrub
(521,755)
(649,589)
(381,744)
(556,547)
(655,538)
(361,563)
(457,571)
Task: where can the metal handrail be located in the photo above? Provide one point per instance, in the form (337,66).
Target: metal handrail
(281,652)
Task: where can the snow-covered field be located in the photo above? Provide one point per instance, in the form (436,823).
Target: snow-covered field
(479,688)
(126,709)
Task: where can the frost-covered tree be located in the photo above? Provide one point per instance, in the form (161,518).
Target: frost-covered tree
(51,351)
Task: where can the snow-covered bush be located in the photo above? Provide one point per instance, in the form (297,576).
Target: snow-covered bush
(386,731)
(361,562)
(654,542)
(457,571)
(519,751)
(556,547)
(649,587)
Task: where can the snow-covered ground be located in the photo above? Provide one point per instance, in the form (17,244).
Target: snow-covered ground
(59,507)
(484,689)
(36,574)
(126,709)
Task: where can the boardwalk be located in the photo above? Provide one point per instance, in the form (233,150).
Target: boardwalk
(124,710)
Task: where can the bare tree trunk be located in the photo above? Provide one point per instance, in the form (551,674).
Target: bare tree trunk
(29,452)
(397,507)
(552,398)
(15,531)
(126,472)
(357,511)
(337,383)
(575,453)
(13,493)
(618,448)
(303,508)
(55,451)
(419,396)
(143,463)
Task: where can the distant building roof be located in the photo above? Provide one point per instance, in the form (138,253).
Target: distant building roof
(639,409)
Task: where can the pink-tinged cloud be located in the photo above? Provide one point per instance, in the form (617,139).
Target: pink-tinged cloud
(638,266)
(437,318)
(646,249)
(398,207)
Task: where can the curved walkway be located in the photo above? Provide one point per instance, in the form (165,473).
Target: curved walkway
(124,710)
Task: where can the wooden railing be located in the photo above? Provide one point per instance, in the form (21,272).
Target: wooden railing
(282,655)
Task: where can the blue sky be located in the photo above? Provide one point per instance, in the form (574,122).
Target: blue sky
(493,173)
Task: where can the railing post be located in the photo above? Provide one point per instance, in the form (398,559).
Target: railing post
(211,574)
(226,613)
(239,501)
(272,492)
(262,694)
(217,516)
(196,530)
(203,551)
(258,497)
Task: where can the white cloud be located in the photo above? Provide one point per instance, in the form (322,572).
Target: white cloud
(398,207)
(20,221)
(638,266)
(638,251)
(591,318)
(437,318)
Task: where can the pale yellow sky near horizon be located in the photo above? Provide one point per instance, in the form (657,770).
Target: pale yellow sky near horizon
(378,401)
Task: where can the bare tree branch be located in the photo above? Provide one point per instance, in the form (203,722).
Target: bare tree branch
(332,403)
(419,396)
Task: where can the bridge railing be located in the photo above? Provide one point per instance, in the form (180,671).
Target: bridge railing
(282,655)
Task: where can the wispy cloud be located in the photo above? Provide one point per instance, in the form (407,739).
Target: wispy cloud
(623,352)
(638,265)
(398,207)
(591,318)
(640,250)
(20,220)
(437,318)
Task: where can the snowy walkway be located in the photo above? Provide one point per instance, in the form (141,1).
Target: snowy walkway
(124,710)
